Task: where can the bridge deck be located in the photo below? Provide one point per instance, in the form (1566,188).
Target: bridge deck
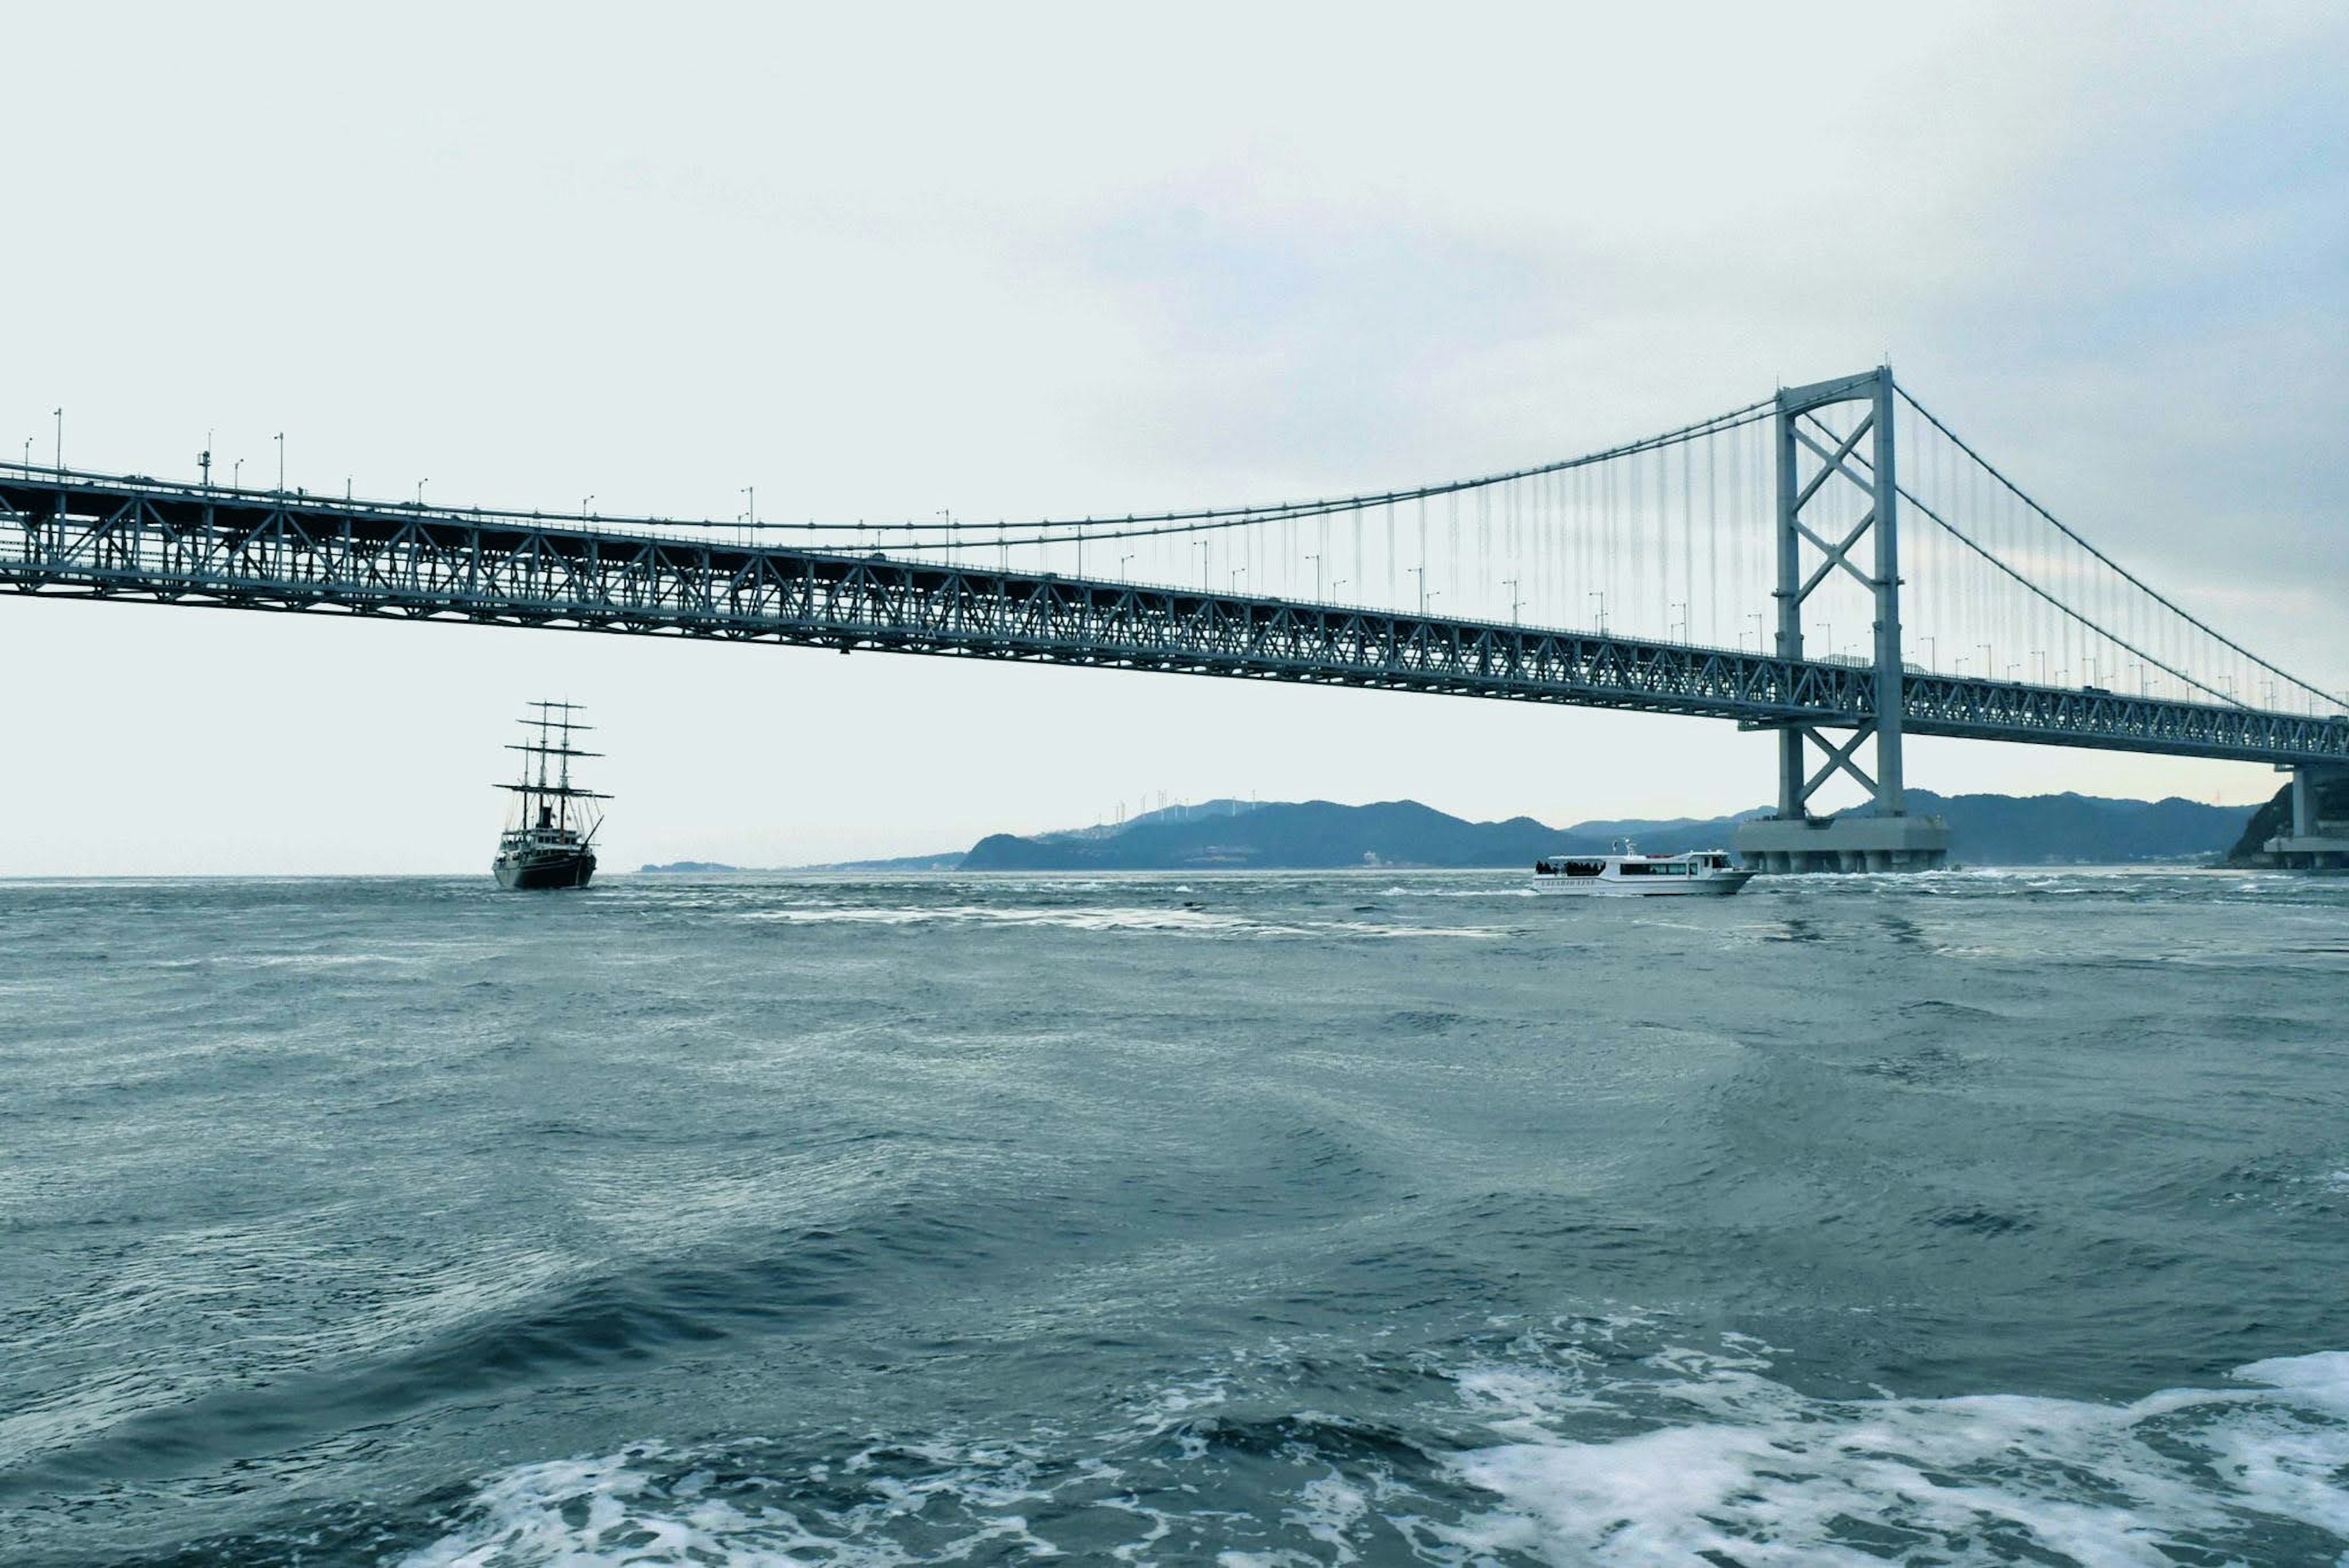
(102,537)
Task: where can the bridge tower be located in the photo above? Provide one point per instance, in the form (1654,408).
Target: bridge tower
(1882,835)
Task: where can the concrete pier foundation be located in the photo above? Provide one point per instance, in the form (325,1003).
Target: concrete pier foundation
(2313,842)
(2318,852)
(1844,844)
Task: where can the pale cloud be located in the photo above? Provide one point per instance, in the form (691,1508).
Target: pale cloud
(880,262)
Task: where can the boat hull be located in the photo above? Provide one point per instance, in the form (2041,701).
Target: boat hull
(1720,885)
(545,871)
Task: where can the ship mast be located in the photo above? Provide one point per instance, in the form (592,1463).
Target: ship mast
(554,725)
(562,810)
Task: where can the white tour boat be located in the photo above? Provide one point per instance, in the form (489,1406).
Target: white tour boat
(1627,873)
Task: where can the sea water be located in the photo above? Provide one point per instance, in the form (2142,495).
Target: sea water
(1238,1220)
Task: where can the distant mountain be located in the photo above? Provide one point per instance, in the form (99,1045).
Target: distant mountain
(946,862)
(1988,830)
(949,860)
(2081,830)
(1297,833)
(1190,811)
(952,860)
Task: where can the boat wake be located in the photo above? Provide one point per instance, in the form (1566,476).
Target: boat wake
(1543,1456)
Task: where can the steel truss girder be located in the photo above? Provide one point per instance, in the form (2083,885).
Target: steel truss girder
(101,538)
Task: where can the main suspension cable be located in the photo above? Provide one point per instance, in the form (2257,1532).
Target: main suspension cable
(1143,525)
(2128,575)
(1994,559)
(1968,541)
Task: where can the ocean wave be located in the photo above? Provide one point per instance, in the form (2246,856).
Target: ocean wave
(1765,1475)
(1683,1455)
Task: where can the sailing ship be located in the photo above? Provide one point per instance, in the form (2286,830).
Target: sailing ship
(550,843)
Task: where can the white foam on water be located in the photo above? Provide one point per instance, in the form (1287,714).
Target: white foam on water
(293,960)
(1084,919)
(1181,1401)
(1591,1459)
(593,1510)
(1760,1474)
(1175,922)
(616,1511)
(1329,1510)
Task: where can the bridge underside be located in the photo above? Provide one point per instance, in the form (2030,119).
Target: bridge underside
(142,541)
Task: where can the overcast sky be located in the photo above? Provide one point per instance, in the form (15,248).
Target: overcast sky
(882,261)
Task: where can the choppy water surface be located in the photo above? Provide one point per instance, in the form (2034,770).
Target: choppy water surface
(1968,1217)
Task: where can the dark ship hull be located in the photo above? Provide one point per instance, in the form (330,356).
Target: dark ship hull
(545,871)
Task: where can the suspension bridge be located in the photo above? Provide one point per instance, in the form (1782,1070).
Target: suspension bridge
(1832,563)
